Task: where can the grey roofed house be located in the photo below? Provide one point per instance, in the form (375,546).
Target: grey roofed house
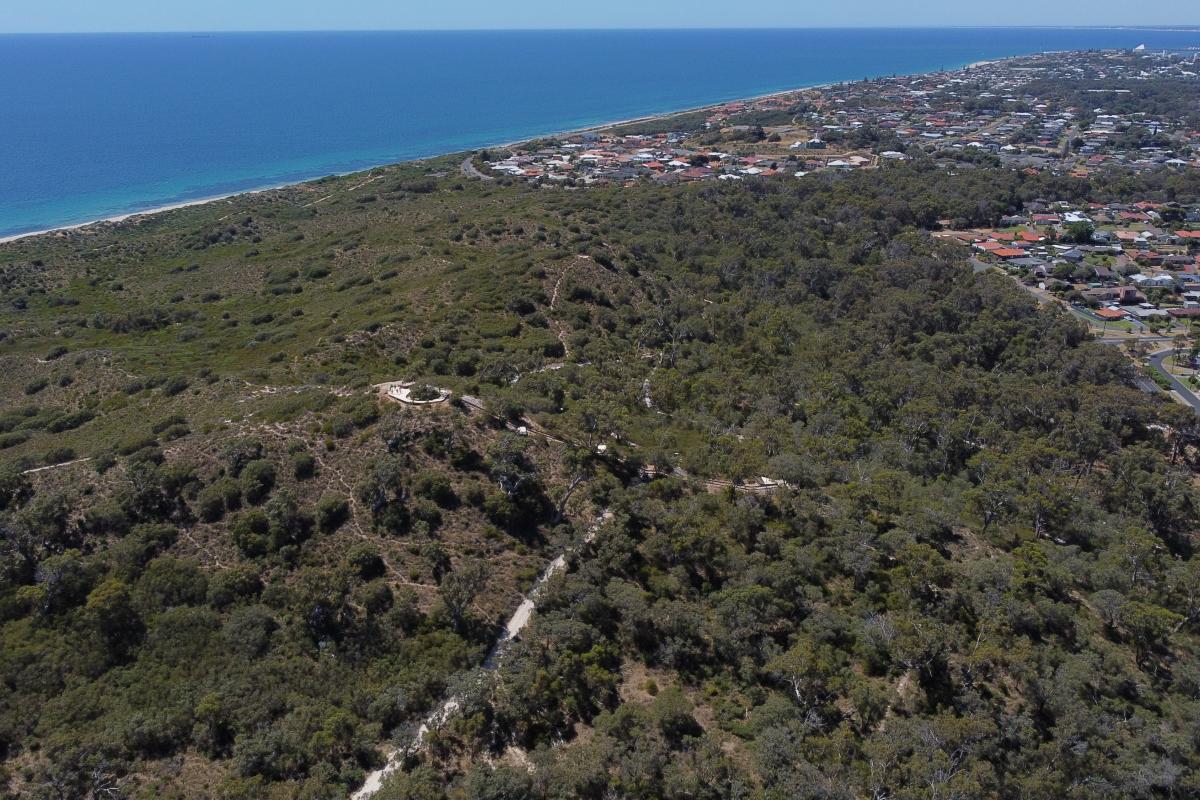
(1161,280)
(1144,313)
(623,173)
(1073,255)
(1028,262)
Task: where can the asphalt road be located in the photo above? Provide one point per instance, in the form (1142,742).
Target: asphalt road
(1156,361)
(1135,339)
(467,167)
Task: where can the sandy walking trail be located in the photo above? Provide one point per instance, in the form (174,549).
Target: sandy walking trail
(512,629)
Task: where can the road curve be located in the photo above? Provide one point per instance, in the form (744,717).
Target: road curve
(467,167)
(1156,361)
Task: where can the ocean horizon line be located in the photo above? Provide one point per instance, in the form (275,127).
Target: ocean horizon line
(1184,28)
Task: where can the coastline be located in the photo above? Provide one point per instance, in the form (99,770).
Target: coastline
(175,206)
(126,217)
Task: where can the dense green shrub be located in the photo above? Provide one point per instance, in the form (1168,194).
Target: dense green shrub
(331,512)
(304,466)
(257,480)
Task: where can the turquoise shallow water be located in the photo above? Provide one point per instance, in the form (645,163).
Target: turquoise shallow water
(98,125)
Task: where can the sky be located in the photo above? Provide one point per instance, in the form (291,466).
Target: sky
(38,16)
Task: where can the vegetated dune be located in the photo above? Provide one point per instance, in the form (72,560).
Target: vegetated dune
(253,576)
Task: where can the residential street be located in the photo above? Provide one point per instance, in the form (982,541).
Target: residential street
(1156,360)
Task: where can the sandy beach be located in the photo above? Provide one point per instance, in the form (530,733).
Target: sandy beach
(137,214)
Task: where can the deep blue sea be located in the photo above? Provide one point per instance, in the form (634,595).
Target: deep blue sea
(98,125)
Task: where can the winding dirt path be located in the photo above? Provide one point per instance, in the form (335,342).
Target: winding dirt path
(563,274)
(512,629)
(55,466)
(525,610)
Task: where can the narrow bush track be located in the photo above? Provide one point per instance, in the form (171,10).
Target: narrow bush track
(495,657)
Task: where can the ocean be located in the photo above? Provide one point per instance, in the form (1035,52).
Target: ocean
(93,126)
